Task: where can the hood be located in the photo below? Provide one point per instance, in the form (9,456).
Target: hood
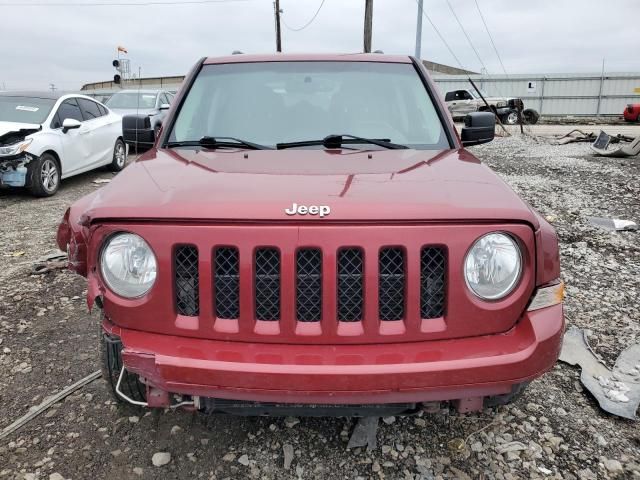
(223,185)
(495,99)
(16,131)
(133,111)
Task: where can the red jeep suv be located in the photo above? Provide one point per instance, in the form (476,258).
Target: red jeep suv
(309,236)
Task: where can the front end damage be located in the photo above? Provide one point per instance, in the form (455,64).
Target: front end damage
(14,157)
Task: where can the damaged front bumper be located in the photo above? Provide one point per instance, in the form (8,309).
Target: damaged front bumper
(14,171)
(464,371)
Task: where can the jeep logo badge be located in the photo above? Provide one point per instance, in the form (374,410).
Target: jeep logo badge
(322,210)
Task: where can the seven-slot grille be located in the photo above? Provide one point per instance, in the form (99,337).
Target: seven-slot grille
(309,271)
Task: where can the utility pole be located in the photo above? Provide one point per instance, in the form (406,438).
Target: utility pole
(52,87)
(276,5)
(419,30)
(368,19)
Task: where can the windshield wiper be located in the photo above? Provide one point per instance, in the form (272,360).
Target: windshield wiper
(215,142)
(336,141)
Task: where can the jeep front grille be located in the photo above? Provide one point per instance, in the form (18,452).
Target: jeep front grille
(309,285)
(391,284)
(305,279)
(267,284)
(433,267)
(187,280)
(226,276)
(350,281)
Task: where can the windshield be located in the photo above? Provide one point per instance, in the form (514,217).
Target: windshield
(25,109)
(132,100)
(276,102)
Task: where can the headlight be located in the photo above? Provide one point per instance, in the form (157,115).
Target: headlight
(128,265)
(16,148)
(493,266)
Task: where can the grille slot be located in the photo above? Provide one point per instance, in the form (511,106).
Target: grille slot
(350,295)
(433,267)
(227,282)
(187,281)
(309,285)
(391,284)
(267,284)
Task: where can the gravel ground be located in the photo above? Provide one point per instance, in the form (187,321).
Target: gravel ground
(556,430)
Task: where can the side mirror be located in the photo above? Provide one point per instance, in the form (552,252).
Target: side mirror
(165,106)
(479,127)
(70,124)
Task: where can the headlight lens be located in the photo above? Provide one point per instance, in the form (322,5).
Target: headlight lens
(128,265)
(15,148)
(493,266)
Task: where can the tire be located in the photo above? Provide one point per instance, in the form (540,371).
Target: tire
(119,156)
(111,366)
(156,131)
(638,119)
(530,116)
(497,400)
(510,118)
(44,175)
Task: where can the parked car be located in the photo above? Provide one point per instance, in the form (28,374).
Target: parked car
(142,114)
(46,137)
(632,112)
(462,102)
(309,236)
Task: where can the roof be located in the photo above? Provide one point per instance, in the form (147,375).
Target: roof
(34,94)
(310,57)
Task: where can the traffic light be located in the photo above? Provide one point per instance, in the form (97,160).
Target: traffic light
(117,78)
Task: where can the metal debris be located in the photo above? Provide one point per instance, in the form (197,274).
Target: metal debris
(99,181)
(48,403)
(628,147)
(364,433)
(618,390)
(612,224)
(48,263)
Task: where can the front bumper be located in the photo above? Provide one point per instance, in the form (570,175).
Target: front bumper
(457,369)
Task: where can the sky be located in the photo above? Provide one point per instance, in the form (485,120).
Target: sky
(67,43)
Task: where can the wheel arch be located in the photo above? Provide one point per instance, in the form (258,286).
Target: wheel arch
(55,155)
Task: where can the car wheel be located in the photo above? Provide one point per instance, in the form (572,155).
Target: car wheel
(638,119)
(45,176)
(530,116)
(111,366)
(511,118)
(119,156)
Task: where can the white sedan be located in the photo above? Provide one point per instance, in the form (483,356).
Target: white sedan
(46,137)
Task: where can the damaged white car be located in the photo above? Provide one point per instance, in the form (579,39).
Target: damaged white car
(46,137)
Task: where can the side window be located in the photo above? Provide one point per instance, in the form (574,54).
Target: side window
(89,108)
(103,110)
(69,109)
(466,95)
(450,96)
(164,99)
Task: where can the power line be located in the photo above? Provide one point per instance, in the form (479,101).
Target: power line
(490,38)
(306,24)
(466,35)
(116,4)
(440,35)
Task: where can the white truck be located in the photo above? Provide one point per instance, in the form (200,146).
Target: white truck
(462,102)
